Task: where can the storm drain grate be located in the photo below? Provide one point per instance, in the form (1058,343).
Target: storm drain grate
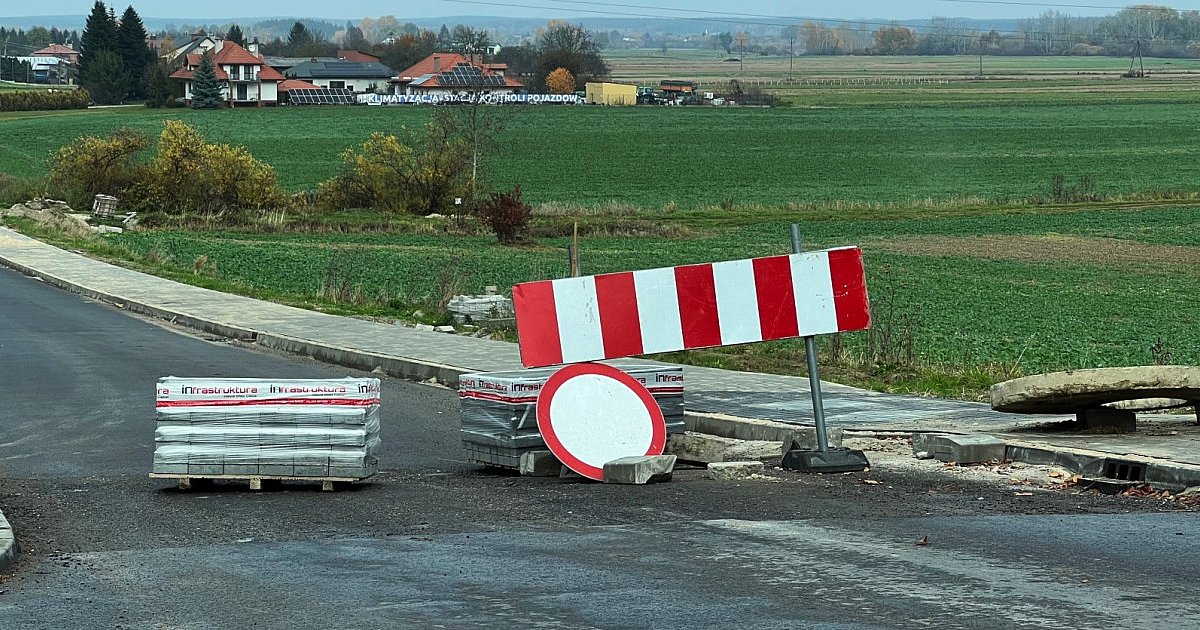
(1124,470)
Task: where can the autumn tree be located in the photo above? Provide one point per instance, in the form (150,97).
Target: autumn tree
(560,81)
(895,40)
(564,45)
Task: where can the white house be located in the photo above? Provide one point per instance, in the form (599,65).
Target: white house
(246,80)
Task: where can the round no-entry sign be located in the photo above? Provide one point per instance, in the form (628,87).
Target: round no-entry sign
(591,413)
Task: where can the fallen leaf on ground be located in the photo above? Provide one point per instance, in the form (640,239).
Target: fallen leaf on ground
(1023,494)
(871,482)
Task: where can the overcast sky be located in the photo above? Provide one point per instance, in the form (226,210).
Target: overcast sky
(221,9)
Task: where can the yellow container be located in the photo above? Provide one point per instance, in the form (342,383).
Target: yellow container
(611,94)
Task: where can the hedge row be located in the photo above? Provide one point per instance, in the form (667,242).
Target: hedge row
(35,100)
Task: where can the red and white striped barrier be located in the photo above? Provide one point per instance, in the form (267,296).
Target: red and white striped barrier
(691,306)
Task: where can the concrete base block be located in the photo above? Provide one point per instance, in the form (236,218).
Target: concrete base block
(170,469)
(1108,418)
(699,447)
(539,464)
(756,430)
(639,470)
(805,439)
(968,449)
(206,469)
(729,471)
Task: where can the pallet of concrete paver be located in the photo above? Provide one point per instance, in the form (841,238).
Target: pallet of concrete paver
(258,428)
(499,417)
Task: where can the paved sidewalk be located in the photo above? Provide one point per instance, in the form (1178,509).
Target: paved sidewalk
(421,355)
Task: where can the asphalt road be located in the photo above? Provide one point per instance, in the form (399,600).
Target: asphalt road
(436,543)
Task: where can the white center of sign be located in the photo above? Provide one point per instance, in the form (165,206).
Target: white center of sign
(598,419)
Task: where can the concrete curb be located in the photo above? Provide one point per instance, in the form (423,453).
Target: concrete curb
(8,545)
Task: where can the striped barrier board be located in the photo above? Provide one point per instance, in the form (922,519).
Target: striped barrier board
(691,306)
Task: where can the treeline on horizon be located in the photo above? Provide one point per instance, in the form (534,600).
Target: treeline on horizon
(1152,30)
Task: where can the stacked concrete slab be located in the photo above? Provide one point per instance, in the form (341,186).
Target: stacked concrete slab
(274,428)
(499,409)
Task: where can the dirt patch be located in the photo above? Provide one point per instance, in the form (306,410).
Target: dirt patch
(1045,248)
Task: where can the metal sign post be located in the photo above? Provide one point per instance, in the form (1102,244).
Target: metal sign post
(823,459)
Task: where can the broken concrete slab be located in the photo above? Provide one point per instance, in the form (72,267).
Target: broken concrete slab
(539,464)
(732,471)
(640,469)
(1071,391)
(968,449)
(703,448)
(962,449)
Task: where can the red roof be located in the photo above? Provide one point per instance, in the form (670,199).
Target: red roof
(56,49)
(437,62)
(297,84)
(355,55)
(229,54)
(435,82)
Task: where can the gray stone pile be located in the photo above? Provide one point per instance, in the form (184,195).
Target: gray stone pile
(499,409)
(275,428)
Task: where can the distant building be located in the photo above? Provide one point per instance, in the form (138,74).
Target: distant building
(246,80)
(66,53)
(610,93)
(452,73)
(200,44)
(48,70)
(359,76)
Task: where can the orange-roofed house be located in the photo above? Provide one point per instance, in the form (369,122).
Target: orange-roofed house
(452,73)
(246,80)
(66,53)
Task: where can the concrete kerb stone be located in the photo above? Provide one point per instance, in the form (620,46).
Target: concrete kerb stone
(8,545)
(402,367)
(1162,474)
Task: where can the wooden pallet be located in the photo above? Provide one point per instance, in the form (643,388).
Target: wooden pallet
(185,480)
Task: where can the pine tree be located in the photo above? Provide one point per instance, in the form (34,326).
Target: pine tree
(444,36)
(160,87)
(137,55)
(108,82)
(300,39)
(99,34)
(235,35)
(206,90)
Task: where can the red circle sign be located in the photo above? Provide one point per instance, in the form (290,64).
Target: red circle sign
(591,413)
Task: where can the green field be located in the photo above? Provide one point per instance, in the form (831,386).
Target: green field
(988,291)
(936,180)
(928,147)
